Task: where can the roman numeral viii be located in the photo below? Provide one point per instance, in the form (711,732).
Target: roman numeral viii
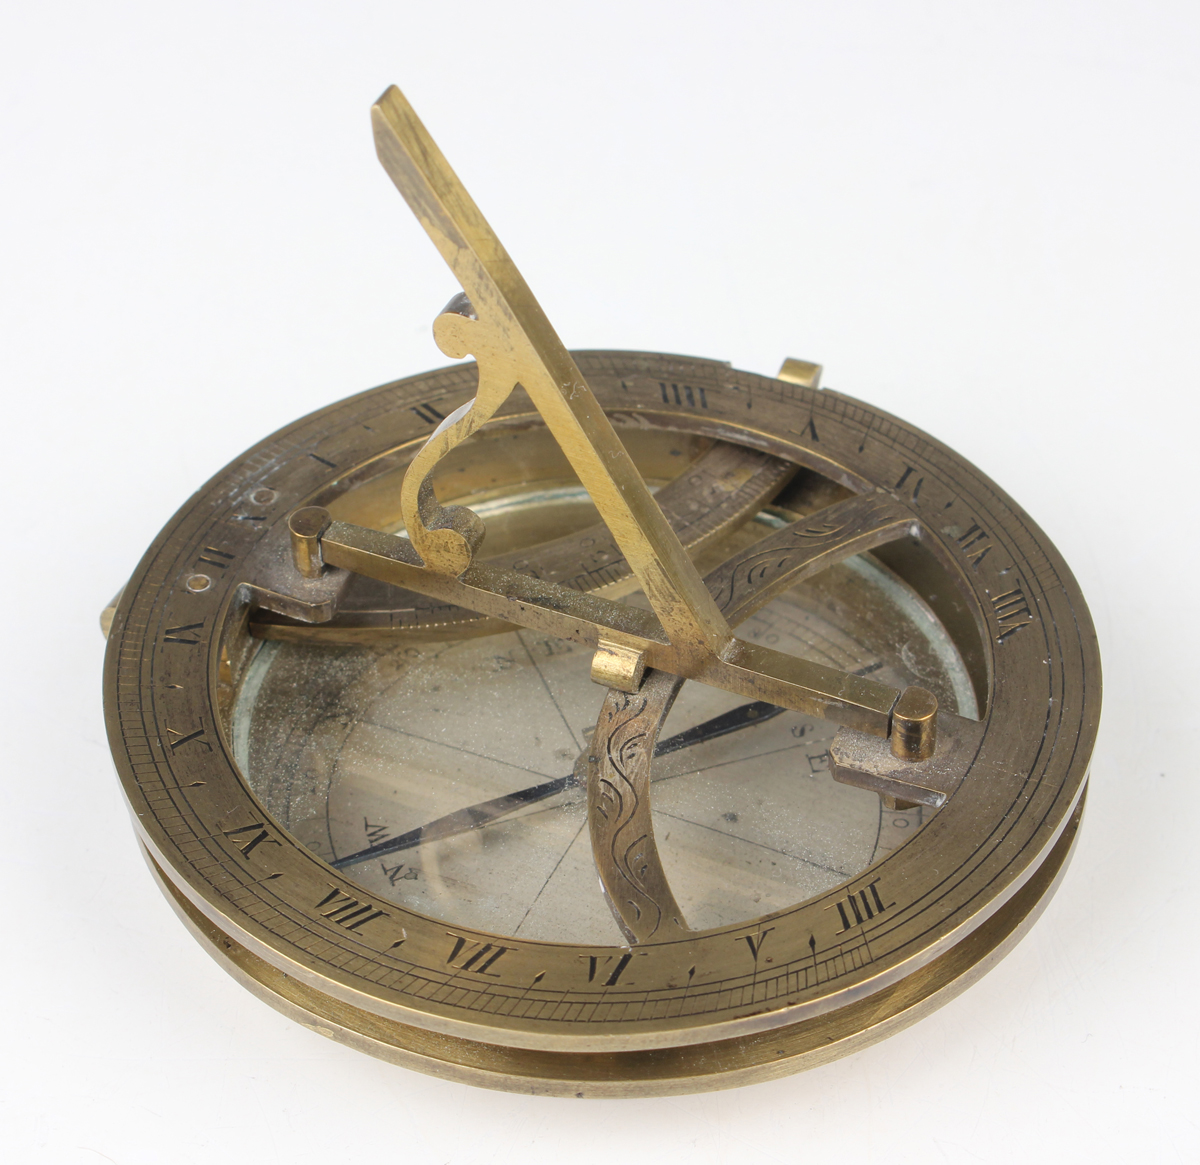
(346,911)
(1012,612)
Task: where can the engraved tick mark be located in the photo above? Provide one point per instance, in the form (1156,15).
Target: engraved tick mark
(215,557)
(182,738)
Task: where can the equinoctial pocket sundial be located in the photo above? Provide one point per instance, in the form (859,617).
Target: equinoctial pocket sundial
(599,723)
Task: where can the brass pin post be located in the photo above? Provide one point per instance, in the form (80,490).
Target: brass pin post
(914,725)
(306,526)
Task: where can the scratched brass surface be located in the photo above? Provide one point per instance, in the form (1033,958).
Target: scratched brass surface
(992,764)
(1033,663)
(723,484)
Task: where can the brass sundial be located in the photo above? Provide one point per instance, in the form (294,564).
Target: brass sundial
(755,728)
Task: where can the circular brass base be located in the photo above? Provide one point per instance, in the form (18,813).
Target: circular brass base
(536,1016)
(658,1072)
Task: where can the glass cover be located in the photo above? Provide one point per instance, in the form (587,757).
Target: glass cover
(351,746)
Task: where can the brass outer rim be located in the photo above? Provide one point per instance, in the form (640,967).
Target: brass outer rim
(186,799)
(203,919)
(692,1068)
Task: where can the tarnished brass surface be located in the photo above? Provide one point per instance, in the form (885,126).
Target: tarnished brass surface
(499,322)
(276,547)
(1019,784)
(656,1072)
(800,372)
(722,488)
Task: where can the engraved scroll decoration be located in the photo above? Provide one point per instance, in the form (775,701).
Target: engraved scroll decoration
(619,813)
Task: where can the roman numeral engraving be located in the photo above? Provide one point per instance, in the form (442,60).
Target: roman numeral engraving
(185,634)
(810,429)
(860,906)
(346,911)
(428,413)
(468,955)
(600,963)
(375,833)
(755,941)
(1012,612)
(683,394)
(399,873)
(182,738)
(906,482)
(214,557)
(975,544)
(247,847)
(618,970)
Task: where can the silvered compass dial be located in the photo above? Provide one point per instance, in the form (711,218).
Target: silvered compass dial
(599,723)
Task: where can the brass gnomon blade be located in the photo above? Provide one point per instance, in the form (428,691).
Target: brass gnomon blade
(685,633)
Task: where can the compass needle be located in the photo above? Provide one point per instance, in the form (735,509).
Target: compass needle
(741,742)
(485,812)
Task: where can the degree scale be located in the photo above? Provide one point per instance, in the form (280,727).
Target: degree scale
(755,728)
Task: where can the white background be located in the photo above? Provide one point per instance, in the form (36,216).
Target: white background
(980,216)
